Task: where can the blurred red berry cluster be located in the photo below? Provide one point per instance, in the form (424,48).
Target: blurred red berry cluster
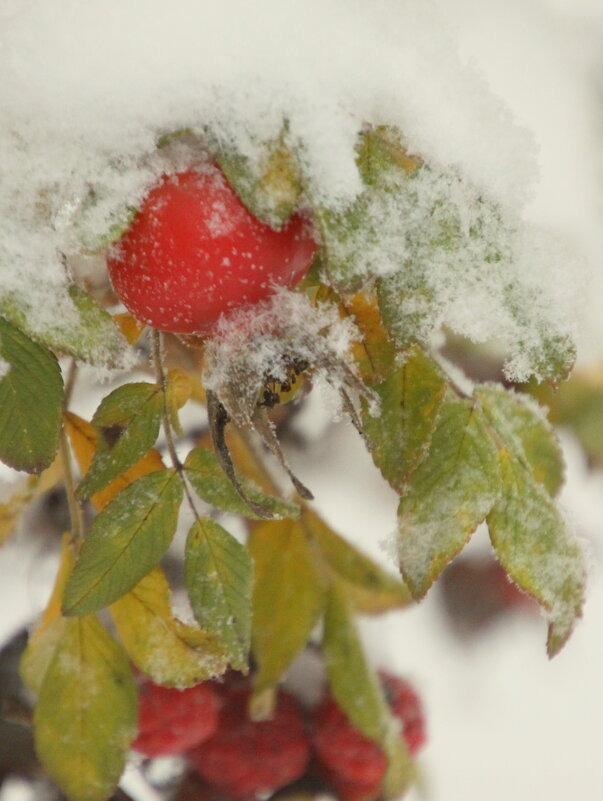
(234,757)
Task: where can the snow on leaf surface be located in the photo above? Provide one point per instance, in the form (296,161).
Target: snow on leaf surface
(127,422)
(218,573)
(126,540)
(169,652)
(81,137)
(31,397)
(523,427)
(536,548)
(448,495)
(86,714)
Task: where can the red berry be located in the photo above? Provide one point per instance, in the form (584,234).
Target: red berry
(353,764)
(171,721)
(194,252)
(246,759)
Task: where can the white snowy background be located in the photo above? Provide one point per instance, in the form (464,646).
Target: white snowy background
(511,90)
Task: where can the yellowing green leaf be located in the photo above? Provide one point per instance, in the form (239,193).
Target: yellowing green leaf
(411,397)
(211,484)
(170,652)
(218,572)
(126,540)
(84,437)
(86,714)
(375,354)
(523,428)
(127,423)
(31,398)
(49,631)
(535,547)
(357,691)
(288,596)
(448,495)
(369,588)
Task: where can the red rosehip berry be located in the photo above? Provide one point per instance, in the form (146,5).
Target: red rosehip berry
(194,252)
(171,721)
(246,759)
(353,765)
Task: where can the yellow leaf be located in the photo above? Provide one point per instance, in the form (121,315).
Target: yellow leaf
(83,437)
(170,652)
(45,638)
(130,327)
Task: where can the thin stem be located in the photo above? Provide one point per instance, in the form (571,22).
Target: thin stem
(75,510)
(159,361)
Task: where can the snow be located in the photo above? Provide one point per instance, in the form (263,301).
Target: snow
(506,95)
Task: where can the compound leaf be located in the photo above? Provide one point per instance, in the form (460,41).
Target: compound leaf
(86,714)
(288,596)
(170,652)
(218,573)
(127,423)
(448,495)
(126,540)
(31,398)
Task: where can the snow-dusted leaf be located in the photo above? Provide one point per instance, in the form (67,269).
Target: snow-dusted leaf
(354,240)
(370,589)
(357,690)
(48,633)
(218,573)
(411,397)
(86,714)
(269,188)
(170,652)
(126,540)
(84,437)
(127,423)
(522,426)
(536,548)
(288,596)
(91,336)
(31,397)
(210,483)
(448,495)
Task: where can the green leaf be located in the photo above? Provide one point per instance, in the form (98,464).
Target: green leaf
(535,547)
(270,187)
(218,573)
(86,715)
(127,422)
(91,336)
(448,495)
(126,540)
(170,652)
(288,596)
(31,398)
(369,588)
(207,477)
(523,428)
(357,690)
(411,397)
